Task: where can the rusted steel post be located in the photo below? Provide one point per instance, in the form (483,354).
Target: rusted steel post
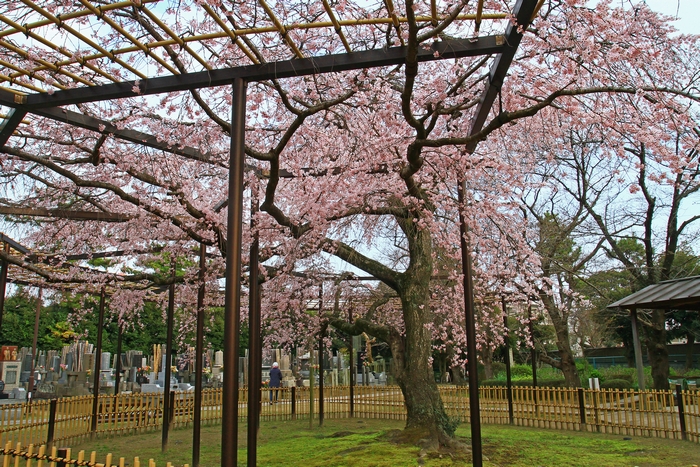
(37,315)
(352,369)
(533,351)
(681,410)
(198,351)
(533,356)
(119,360)
(232,298)
(582,408)
(506,357)
(168,362)
(255,345)
(98,364)
(321,334)
(52,423)
(4,266)
(469,315)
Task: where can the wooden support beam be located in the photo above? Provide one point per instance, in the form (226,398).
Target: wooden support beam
(283,69)
(65,214)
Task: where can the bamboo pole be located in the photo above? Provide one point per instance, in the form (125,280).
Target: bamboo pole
(82,38)
(42,453)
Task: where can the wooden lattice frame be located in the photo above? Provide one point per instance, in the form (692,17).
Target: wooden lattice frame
(27,267)
(33,87)
(28,73)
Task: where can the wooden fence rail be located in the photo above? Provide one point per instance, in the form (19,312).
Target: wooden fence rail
(33,456)
(666,414)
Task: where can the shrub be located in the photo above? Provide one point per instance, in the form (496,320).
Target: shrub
(619,372)
(543,383)
(498,369)
(521,372)
(614,376)
(616,384)
(551,383)
(585,370)
(548,372)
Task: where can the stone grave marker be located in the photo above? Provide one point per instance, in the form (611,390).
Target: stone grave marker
(26,368)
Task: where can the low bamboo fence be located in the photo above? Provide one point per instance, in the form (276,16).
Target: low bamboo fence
(34,456)
(68,421)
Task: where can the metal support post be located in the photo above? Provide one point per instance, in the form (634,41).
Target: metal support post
(352,369)
(119,360)
(98,364)
(232,298)
(474,413)
(322,334)
(582,408)
(637,350)
(4,266)
(681,411)
(255,339)
(506,357)
(37,315)
(533,357)
(198,351)
(168,361)
(52,423)
(533,351)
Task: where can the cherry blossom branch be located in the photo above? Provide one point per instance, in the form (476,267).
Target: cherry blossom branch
(376,269)
(134,200)
(360,325)
(451,17)
(146,24)
(72,276)
(505,117)
(88,199)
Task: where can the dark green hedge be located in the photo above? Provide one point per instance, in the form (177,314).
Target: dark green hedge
(543,383)
(617,383)
(619,376)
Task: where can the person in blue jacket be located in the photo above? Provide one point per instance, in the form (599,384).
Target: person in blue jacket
(275,381)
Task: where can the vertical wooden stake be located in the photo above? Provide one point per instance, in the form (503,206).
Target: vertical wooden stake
(681,410)
(582,408)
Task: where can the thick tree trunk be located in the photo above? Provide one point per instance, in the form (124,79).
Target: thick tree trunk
(566,364)
(656,349)
(426,416)
(442,365)
(427,423)
(487,358)
(457,377)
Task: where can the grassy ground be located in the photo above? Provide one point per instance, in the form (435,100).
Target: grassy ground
(354,442)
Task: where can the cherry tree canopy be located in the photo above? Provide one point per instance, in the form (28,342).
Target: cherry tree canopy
(70,52)
(358,133)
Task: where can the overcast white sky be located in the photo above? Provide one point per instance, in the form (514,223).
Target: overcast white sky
(687,12)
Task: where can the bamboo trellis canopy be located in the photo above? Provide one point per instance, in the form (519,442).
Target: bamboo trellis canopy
(46,47)
(54,54)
